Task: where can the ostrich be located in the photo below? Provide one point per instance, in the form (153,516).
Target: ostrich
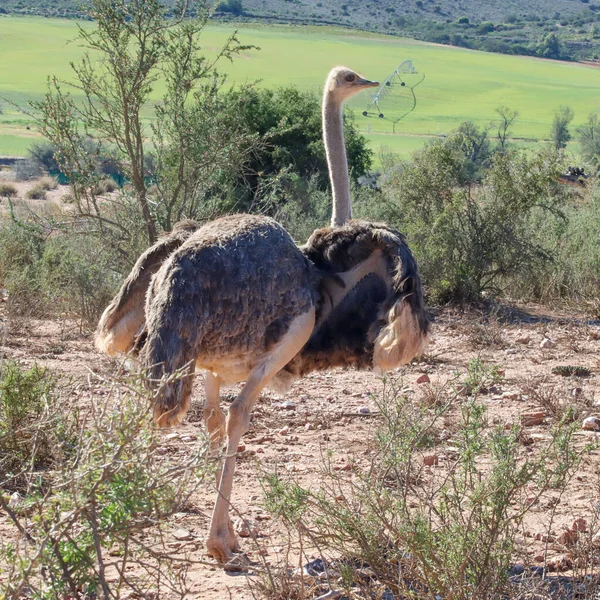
(239,300)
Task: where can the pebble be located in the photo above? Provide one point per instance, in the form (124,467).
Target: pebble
(533,418)
(511,351)
(523,340)
(287,405)
(284,431)
(547,343)
(15,500)
(364,410)
(591,424)
(182,535)
(244,528)
(576,392)
(171,436)
(568,538)
(423,379)
(558,563)
(430,460)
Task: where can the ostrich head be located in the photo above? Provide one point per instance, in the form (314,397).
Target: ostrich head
(342,83)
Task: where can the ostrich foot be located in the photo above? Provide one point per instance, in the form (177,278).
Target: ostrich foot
(225,548)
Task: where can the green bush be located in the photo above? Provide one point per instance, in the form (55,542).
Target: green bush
(420,534)
(467,238)
(77,274)
(103,509)
(27,396)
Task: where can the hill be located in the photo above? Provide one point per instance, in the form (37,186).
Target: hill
(459,84)
(560,29)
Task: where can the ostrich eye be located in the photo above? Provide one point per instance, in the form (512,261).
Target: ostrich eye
(350,77)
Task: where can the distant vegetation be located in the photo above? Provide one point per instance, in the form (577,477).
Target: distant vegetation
(558,29)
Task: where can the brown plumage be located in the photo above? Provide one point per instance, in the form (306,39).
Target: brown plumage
(239,300)
(124,318)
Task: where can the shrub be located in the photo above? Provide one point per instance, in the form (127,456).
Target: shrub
(27,397)
(8,190)
(47,184)
(37,192)
(467,238)
(393,525)
(104,510)
(78,276)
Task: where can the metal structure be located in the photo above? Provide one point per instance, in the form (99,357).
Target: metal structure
(396,94)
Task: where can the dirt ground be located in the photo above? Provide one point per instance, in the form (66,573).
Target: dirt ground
(326,414)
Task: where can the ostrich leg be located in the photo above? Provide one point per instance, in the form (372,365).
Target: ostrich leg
(214,417)
(221,540)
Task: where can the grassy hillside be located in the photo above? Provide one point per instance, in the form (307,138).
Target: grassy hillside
(511,27)
(459,84)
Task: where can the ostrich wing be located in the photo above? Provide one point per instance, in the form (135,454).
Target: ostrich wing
(124,317)
(377,317)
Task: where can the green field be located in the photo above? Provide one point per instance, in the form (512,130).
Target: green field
(459,84)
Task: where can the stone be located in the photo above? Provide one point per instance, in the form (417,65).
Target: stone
(524,339)
(579,525)
(568,538)
(430,460)
(558,563)
(423,379)
(182,535)
(591,424)
(547,343)
(532,418)
(364,410)
(245,528)
(15,500)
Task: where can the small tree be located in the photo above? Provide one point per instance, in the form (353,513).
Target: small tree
(560,133)
(134,44)
(507,117)
(550,46)
(589,139)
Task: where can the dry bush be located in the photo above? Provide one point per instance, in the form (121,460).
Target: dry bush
(94,525)
(37,192)
(488,335)
(48,183)
(7,190)
(398,529)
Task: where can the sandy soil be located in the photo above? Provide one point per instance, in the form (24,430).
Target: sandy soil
(326,416)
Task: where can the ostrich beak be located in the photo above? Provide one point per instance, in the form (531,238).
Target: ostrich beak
(366,83)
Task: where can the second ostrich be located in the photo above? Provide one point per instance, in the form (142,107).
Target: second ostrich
(239,300)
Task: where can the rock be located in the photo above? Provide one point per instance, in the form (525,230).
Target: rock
(511,351)
(171,436)
(182,535)
(511,396)
(517,569)
(364,410)
(532,418)
(579,525)
(423,378)
(15,500)
(568,538)
(284,431)
(524,339)
(287,405)
(547,343)
(591,424)
(308,426)
(241,447)
(430,460)
(543,537)
(558,563)
(315,567)
(576,392)
(262,517)
(244,528)
(538,558)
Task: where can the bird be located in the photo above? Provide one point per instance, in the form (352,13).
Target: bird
(238,299)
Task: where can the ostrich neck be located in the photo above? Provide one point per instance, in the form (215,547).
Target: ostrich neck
(335,148)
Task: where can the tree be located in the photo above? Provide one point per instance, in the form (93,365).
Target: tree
(550,46)
(503,124)
(589,138)
(560,133)
(133,45)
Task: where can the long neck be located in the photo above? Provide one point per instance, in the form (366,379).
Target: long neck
(335,148)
